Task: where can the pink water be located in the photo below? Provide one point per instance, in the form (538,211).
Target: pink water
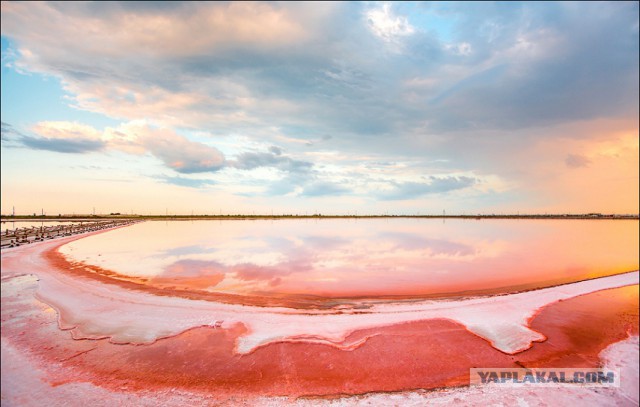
(361,258)
(118,313)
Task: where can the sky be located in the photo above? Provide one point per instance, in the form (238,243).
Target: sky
(332,108)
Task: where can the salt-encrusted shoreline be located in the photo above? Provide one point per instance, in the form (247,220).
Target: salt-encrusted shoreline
(622,356)
(501,320)
(95,310)
(24,383)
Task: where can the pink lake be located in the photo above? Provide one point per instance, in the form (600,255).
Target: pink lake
(214,312)
(333,259)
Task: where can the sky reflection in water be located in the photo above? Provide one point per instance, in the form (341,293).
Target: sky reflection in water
(365,257)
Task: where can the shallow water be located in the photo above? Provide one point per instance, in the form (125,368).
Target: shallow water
(314,345)
(362,258)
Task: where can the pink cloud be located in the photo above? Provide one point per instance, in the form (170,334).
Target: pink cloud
(175,151)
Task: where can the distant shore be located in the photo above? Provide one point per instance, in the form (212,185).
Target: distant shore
(67,217)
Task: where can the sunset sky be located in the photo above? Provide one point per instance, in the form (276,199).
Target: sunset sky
(409,108)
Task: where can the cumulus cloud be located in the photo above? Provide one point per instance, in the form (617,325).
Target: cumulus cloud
(181,154)
(529,70)
(77,145)
(153,30)
(63,137)
(319,67)
(377,78)
(66,130)
(175,151)
(137,62)
(233,66)
(388,26)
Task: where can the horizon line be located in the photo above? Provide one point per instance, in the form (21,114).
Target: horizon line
(588,215)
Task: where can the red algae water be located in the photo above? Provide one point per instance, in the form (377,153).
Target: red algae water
(210,312)
(375,258)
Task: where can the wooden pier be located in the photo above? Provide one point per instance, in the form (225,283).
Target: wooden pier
(26,235)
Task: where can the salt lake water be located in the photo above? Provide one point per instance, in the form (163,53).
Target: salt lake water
(340,258)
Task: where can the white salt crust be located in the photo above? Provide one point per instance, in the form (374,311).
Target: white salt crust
(92,310)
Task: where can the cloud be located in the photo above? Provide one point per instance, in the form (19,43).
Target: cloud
(307,180)
(160,30)
(181,154)
(9,135)
(473,84)
(241,78)
(322,188)
(66,130)
(249,161)
(61,137)
(73,146)
(577,161)
(145,63)
(7,129)
(175,151)
(186,182)
(463,48)
(436,185)
(386,25)
(319,68)
(531,70)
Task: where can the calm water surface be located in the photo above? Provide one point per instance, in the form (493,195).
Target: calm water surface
(365,257)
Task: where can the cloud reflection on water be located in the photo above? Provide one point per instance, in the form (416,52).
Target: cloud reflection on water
(337,258)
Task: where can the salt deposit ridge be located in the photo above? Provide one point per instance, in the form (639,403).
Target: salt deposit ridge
(91,309)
